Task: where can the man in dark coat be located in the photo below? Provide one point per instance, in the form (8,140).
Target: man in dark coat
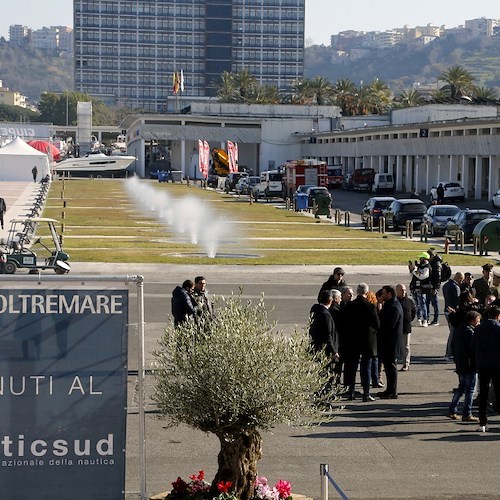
(335,281)
(322,333)
(440,193)
(463,355)
(3,209)
(183,306)
(363,322)
(487,359)
(390,331)
(322,328)
(344,332)
(409,313)
(451,293)
(482,285)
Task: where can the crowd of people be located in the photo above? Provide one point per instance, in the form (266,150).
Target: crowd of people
(372,331)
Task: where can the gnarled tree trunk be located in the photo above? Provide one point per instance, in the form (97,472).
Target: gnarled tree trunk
(237,459)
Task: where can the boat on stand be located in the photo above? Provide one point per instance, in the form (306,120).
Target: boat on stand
(96,164)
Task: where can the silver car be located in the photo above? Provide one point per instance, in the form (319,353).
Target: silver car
(437,216)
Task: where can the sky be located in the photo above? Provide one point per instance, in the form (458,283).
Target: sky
(323,17)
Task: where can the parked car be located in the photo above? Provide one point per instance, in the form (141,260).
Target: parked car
(315,192)
(401,211)
(437,217)
(496,199)
(375,206)
(241,185)
(465,220)
(452,191)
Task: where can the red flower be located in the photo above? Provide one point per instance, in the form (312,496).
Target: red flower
(284,488)
(224,486)
(199,477)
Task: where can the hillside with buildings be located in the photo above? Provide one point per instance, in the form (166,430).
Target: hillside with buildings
(409,58)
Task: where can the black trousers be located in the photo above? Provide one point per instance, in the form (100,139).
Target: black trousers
(351,363)
(391,373)
(486,377)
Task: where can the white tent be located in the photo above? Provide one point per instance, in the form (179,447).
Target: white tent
(17,160)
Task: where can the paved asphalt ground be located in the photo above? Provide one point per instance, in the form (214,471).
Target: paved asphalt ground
(404,448)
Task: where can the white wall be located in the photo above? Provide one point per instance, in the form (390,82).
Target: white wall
(441,112)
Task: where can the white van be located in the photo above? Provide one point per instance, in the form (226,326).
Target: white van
(383,183)
(270,185)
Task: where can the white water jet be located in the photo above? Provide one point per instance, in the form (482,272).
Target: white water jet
(187,216)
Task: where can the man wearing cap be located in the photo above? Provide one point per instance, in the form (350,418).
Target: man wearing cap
(495,285)
(482,285)
(421,275)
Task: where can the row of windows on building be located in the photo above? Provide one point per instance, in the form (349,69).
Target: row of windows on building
(192,8)
(136,71)
(124,37)
(411,135)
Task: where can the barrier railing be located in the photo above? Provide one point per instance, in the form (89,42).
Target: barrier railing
(369,223)
(347,219)
(424,231)
(381,225)
(325,479)
(409,229)
(459,240)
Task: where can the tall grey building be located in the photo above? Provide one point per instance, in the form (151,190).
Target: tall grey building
(130,49)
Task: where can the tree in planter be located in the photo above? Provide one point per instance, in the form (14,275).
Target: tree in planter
(233,375)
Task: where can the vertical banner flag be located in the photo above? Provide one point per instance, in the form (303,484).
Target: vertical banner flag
(201,156)
(63,393)
(181,81)
(232,153)
(206,158)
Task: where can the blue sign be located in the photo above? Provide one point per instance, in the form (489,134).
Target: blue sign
(63,386)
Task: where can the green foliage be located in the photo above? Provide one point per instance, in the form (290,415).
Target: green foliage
(54,108)
(16,114)
(234,373)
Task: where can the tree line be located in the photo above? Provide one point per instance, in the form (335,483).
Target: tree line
(458,85)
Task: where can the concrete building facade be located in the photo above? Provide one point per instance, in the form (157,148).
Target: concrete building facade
(420,146)
(132,49)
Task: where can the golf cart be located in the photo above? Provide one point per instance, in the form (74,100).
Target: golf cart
(20,251)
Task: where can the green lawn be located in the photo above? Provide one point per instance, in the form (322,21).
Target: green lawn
(101,222)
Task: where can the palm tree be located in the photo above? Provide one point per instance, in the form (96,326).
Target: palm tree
(380,97)
(300,93)
(226,91)
(483,93)
(321,90)
(409,99)
(245,83)
(459,82)
(344,91)
(267,94)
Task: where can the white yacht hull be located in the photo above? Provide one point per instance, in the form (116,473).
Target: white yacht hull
(95,164)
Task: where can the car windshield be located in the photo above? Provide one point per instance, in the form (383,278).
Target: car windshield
(275,177)
(413,208)
(452,185)
(443,212)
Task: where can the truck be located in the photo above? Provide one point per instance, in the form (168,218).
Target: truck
(335,176)
(304,172)
(363,178)
(220,162)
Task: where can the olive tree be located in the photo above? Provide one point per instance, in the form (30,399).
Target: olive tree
(234,375)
